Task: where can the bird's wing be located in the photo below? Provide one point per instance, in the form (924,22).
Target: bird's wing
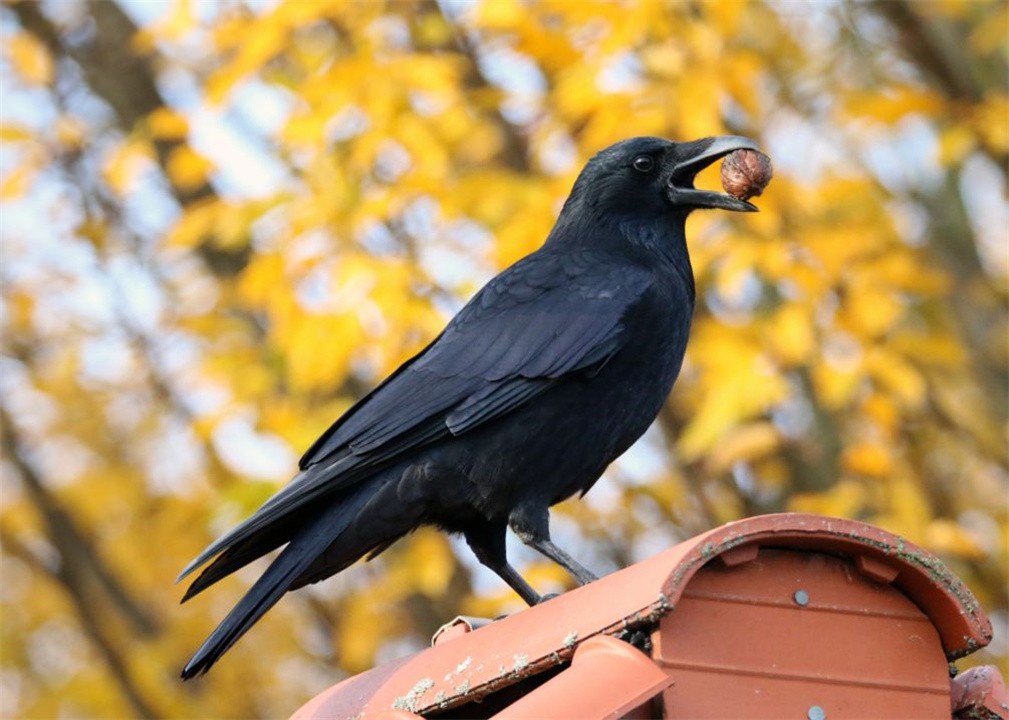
(545,317)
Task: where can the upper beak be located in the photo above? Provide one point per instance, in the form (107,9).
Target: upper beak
(681,189)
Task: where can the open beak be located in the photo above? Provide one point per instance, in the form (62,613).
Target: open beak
(700,154)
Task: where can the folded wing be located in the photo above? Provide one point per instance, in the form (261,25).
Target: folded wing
(545,318)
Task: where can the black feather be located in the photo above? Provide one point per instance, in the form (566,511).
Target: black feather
(292,562)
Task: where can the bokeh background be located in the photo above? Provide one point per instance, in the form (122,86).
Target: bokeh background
(224,221)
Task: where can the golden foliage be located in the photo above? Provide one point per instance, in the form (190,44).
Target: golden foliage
(29,58)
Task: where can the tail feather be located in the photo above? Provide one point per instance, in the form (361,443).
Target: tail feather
(240,555)
(298,556)
(339,556)
(243,532)
(290,500)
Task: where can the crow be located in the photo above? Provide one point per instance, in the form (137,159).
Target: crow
(547,375)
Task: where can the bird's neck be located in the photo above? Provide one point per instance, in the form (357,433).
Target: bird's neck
(665,242)
(654,242)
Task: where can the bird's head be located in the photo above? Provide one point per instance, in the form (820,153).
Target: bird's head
(651,176)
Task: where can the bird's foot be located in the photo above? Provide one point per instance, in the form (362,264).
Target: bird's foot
(548,596)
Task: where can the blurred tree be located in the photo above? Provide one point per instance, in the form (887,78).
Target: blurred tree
(223,222)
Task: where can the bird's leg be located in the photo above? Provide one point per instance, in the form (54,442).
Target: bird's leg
(488,544)
(532,526)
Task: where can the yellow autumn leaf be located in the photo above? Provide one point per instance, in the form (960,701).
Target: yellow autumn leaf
(835,385)
(903,271)
(551,47)
(194,225)
(363,622)
(125,163)
(307,128)
(178,21)
(742,74)
(669,491)
(259,44)
(187,168)
(697,97)
(664,60)
(867,458)
(791,334)
(548,575)
(990,121)
(990,33)
(11,133)
(231,225)
(94,231)
(426,154)
(747,385)
(869,311)
(578,91)
(167,124)
(520,236)
(929,349)
(70,132)
(494,603)
(963,403)
(17,182)
(264,272)
(748,442)
(21,308)
(946,536)
(725,16)
(30,59)
(881,408)
(144,41)
(955,143)
(836,246)
(773,472)
(846,498)
(434,30)
(892,104)
(908,512)
(896,375)
(430,561)
(318,348)
(737,267)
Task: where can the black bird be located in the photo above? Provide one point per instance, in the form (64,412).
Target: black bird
(544,378)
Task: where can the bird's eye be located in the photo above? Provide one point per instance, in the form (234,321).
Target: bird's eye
(643,163)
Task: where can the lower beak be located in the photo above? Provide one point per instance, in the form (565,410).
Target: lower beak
(680,187)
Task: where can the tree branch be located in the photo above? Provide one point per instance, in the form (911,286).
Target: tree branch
(89,619)
(126,82)
(81,569)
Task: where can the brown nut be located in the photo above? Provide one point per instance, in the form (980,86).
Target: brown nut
(745,173)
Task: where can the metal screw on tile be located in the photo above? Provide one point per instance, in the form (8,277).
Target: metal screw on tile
(815,712)
(801,597)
